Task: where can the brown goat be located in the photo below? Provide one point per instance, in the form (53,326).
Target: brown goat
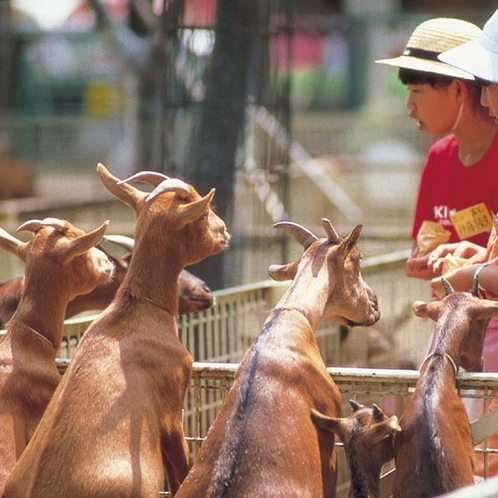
(193,293)
(263,441)
(60,262)
(114,424)
(368,438)
(434,452)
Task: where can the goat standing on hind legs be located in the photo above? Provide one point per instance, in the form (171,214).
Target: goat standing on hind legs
(114,427)
(61,262)
(368,438)
(263,441)
(434,453)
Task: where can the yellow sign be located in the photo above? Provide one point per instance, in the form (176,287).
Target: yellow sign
(472,221)
(102,99)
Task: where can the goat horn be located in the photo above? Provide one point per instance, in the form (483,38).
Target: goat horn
(35,225)
(121,240)
(354,405)
(153,178)
(59,225)
(331,232)
(475,285)
(170,185)
(298,232)
(376,410)
(31,225)
(447,286)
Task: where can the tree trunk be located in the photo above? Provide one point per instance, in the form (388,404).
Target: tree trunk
(222,114)
(7,48)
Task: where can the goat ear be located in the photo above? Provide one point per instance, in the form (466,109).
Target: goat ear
(424,310)
(194,210)
(77,246)
(385,429)
(352,239)
(485,309)
(419,308)
(13,245)
(281,273)
(124,192)
(330,424)
(355,405)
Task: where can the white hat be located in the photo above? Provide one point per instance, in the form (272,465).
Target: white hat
(428,40)
(480,56)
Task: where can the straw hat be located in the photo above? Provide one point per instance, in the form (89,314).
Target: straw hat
(428,40)
(478,57)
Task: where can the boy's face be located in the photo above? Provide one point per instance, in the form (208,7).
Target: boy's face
(435,108)
(489,98)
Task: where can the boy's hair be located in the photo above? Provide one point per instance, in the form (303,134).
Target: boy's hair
(413,77)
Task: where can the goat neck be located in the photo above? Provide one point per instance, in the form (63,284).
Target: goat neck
(10,295)
(42,309)
(142,282)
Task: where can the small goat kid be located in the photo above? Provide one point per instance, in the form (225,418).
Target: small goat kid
(433,452)
(368,438)
(193,293)
(114,423)
(263,441)
(60,263)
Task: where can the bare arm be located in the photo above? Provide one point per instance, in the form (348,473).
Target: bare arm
(465,249)
(462,279)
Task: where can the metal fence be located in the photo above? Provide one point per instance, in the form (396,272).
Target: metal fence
(224,332)
(388,388)
(218,337)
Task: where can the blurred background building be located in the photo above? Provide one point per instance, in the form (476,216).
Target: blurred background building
(276,103)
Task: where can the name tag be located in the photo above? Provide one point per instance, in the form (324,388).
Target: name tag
(472,221)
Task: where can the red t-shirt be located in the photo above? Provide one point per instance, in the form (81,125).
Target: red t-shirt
(447,186)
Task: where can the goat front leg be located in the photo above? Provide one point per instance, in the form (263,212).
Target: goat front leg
(176,459)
